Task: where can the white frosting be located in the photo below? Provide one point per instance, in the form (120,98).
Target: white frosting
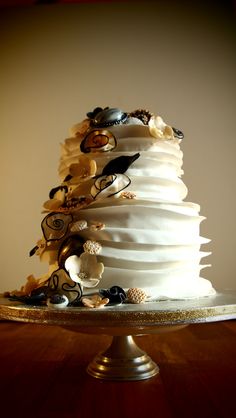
(151,241)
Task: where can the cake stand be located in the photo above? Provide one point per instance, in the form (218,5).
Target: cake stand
(123,359)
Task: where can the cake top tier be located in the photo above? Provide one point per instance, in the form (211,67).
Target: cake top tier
(110,117)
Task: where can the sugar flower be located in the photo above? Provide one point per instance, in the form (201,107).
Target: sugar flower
(76,167)
(159,129)
(85,167)
(57,198)
(95,301)
(84,269)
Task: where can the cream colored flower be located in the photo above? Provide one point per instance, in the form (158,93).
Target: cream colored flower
(85,167)
(84,269)
(159,129)
(79,168)
(52,204)
(95,301)
(57,201)
(70,145)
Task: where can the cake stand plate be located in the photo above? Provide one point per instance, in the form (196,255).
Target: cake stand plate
(124,360)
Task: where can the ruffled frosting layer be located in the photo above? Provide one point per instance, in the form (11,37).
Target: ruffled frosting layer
(151,241)
(118,223)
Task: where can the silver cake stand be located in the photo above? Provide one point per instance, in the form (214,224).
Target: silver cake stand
(123,359)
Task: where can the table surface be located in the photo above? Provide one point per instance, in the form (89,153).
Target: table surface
(43,374)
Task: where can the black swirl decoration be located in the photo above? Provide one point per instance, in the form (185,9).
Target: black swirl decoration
(115,294)
(73,292)
(98,140)
(107,186)
(55,225)
(60,283)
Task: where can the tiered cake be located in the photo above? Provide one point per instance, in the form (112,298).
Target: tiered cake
(117,227)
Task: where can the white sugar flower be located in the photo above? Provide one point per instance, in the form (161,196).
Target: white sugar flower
(84,269)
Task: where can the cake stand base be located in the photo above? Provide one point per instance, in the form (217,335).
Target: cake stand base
(123,360)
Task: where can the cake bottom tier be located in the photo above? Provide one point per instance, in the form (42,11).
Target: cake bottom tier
(182,284)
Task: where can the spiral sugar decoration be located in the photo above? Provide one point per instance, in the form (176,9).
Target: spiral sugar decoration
(98,140)
(55,225)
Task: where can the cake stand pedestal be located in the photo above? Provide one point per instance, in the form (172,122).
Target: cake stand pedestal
(123,359)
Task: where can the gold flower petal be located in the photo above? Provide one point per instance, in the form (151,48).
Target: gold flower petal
(95,301)
(52,204)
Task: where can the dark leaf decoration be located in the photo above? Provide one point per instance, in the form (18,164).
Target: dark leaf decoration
(120,164)
(33,251)
(68,177)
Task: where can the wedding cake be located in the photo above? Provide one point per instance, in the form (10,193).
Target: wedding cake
(117,227)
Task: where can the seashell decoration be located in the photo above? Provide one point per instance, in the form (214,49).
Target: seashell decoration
(92,247)
(109,117)
(79,226)
(136,295)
